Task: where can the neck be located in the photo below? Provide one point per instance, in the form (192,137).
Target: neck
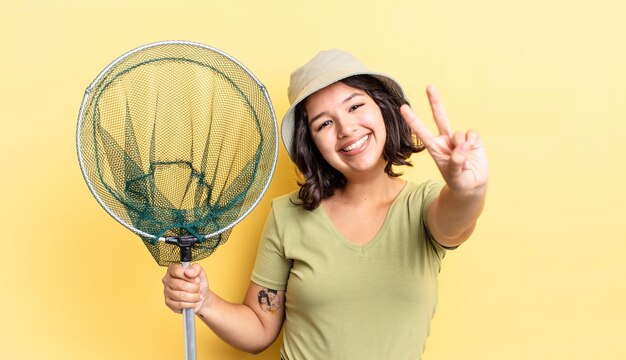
(381,188)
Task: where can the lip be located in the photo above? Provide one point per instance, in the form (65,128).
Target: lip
(364,139)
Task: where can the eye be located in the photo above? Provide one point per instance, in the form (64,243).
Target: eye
(355,106)
(324,124)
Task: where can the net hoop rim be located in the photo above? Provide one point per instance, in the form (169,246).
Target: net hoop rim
(81,118)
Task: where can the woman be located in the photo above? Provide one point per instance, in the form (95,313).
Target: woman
(352,259)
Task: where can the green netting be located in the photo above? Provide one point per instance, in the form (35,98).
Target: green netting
(177,139)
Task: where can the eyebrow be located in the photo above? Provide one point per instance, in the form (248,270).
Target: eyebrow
(316,117)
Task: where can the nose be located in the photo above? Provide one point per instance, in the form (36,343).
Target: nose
(345,126)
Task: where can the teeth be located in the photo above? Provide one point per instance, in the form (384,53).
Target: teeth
(357,144)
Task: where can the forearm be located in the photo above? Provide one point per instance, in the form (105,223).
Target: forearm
(236,324)
(452,216)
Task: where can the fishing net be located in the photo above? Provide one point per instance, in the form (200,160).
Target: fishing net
(178,142)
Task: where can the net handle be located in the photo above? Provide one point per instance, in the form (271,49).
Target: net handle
(189,328)
(189,321)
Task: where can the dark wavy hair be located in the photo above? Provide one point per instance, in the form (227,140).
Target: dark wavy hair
(320,180)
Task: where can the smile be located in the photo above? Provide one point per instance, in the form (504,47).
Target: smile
(359,143)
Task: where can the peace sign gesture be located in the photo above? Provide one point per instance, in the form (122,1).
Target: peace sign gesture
(460,156)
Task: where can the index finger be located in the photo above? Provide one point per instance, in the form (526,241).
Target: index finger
(439,113)
(417,125)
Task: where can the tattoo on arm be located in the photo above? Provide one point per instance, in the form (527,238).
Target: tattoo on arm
(269,300)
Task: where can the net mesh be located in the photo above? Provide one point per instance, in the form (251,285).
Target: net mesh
(177,139)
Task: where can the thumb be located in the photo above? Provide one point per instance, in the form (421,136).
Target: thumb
(193,271)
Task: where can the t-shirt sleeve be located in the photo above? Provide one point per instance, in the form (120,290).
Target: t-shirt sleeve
(271,269)
(431,192)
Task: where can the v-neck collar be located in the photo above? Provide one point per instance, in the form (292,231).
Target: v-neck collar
(368,246)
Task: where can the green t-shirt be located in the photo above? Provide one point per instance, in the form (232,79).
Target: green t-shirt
(346,301)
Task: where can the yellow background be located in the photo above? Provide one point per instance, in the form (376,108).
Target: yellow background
(543,82)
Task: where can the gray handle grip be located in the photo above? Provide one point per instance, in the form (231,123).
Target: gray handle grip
(190,330)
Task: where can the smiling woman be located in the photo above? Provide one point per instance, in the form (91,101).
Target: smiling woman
(363,93)
(354,228)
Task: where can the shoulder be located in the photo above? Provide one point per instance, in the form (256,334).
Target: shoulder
(286,208)
(426,191)
(288,222)
(415,198)
(286,201)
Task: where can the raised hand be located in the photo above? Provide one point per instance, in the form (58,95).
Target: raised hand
(460,156)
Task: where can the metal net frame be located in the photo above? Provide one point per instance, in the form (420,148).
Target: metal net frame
(177,140)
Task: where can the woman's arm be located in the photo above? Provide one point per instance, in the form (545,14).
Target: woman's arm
(451,217)
(251,326)
(462,161)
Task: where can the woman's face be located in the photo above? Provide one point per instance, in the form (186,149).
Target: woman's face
(348,129)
